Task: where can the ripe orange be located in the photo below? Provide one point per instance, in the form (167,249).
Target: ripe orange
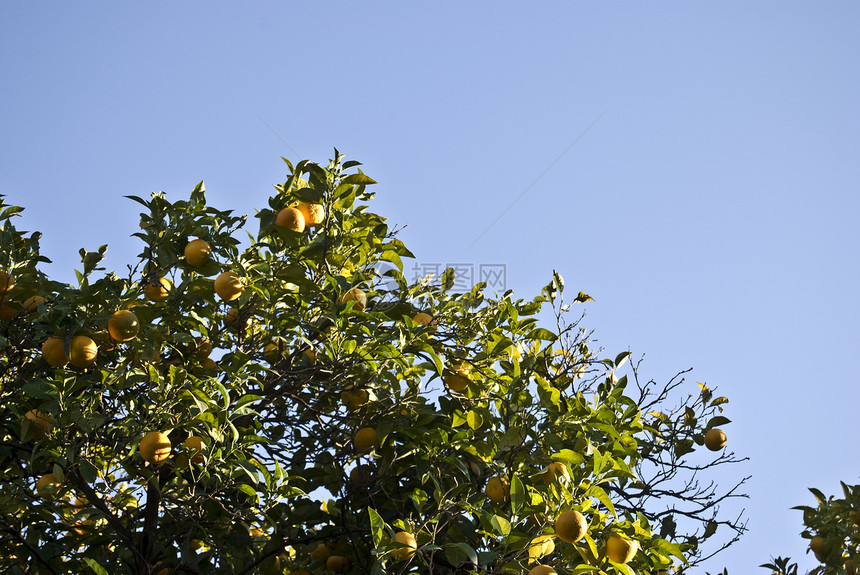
(620,549)
(82,351)
(311,355)
(53,352)
(204,348)
(195,442)
(41,423)
(541,546)
(321,552)
(271,352)
(31,304)
(337,563)
(542,570)
(158,291)
(818,545)
(352,399)
(123,325)
(571,526)
(365,439)
(232,319)
(715,439)
(154,447)
(291,219)
(360,475)
(498,489)
(459,380)
(7,313)
(208,364)
(555,470)
(7,282)
(313,214)
(411,545)
(197,252)
(47,486)
(355,295)
(228,286)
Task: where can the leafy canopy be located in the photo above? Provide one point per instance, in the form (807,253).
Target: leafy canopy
(305,428)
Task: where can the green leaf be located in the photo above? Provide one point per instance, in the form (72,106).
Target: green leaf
(89,473)
(94,565)
(569,456)
(358,179)
(717,421)
(501,525)
(598,493)
(474,419)
(542,333)
(377,527)
(518,495)
(459,553)
(668,548)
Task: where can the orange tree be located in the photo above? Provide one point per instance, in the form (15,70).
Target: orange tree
(286,407)
(833,530)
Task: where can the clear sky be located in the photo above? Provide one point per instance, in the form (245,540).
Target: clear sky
(712,210)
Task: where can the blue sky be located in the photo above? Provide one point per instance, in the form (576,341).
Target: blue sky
(712,210)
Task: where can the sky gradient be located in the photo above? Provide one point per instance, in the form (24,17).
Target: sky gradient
(711,209)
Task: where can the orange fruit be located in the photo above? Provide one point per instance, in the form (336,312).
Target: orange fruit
(154,447)
(337,563)
(158,291)
(204,348)
(571,526)
(365,439)
(311,355)
(123,325)
(542,570)
(82,351)
(292,219)
(53,352)
(232,319)
(715,439)
(498,489)
(620,549)
(195,443)
(7,313)
(818,545)
(355,295)
(411,545)
(541,546)
(459,380)
(272,352)
(555,470)
(228,286)
(313,214)
(208,364)
(321,552)
(7,282)
(197,252)
(47,486)
(360,475)
(41,423)
(352,399)
(31,304)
